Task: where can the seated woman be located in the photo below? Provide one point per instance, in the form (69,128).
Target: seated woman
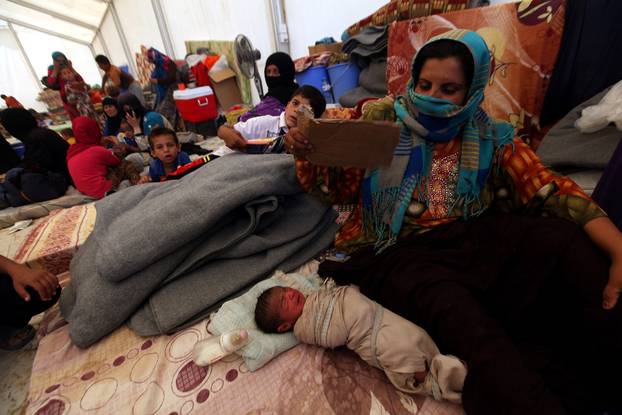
(55,81)
(451,236)
(42,174)
(136,114)
(279,76)
(43,148)
(95,169)
(112,117)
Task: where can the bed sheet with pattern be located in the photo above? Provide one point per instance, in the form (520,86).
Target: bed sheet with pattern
(128,374)
(51,242)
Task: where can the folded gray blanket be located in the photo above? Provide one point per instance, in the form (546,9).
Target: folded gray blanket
(163,254)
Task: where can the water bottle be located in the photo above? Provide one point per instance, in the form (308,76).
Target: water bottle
(212,349)
(326,91)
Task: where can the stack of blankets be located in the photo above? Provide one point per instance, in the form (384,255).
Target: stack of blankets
(163,255)
(368,49)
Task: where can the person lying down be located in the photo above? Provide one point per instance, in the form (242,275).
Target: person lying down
(342,316)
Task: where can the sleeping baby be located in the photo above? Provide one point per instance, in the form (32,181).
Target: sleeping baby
(339,316)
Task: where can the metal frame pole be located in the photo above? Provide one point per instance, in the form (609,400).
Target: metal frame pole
(163,27)
(281,35)
(42,30)
(24,55)
(126,47)
(52,13)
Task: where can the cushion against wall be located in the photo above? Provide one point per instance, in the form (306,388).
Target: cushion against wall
(524,39)
(403,10)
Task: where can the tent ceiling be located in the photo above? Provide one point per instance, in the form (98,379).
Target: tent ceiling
(74,19)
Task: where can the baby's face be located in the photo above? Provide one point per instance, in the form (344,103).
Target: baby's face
(288,302)
(128,131)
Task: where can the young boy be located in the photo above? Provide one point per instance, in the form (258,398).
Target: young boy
(338,316)
(167,154)
(269,126)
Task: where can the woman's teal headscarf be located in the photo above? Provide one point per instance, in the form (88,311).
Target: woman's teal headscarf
(427,120)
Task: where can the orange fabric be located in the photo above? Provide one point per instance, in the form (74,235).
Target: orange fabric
(524,39)
(12,102)
(530,175)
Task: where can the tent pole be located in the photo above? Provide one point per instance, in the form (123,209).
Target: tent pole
(42,30)
(126,47)
(164,33)
(98,32)
(103,42)
(279,26)
(52,13)
(24,55)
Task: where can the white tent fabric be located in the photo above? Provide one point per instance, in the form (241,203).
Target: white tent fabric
(113,41)
(17,81)
(67,17)
(139,23)
(39,48)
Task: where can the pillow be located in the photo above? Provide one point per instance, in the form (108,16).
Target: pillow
(240,313)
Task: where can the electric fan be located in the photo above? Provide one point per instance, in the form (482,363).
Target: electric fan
(247,58)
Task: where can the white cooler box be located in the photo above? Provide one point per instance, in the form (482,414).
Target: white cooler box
(196,104)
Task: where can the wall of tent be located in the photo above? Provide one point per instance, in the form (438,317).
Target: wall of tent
(30,30)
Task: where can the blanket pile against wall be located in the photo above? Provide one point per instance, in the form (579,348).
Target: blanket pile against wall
(162,255)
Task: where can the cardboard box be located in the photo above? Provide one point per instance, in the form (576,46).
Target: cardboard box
(328,47)
(349,143)
(226,88)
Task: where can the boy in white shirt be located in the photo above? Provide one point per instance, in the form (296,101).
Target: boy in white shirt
(270,126)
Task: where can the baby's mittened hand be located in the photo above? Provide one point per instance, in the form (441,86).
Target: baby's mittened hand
(420,376)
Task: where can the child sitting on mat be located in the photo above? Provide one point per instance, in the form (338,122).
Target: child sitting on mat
(167,154)
(270,126)
(339,316)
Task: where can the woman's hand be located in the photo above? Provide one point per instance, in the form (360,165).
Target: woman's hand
(134,122)
(42,281)
(297,144)
(608,238)
(614,285)
(144,179)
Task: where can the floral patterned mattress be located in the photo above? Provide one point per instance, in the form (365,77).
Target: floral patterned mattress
(128,374)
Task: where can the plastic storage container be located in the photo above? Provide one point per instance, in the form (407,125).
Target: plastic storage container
(344,77)
(196,104)
(212,349)
(317,76)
